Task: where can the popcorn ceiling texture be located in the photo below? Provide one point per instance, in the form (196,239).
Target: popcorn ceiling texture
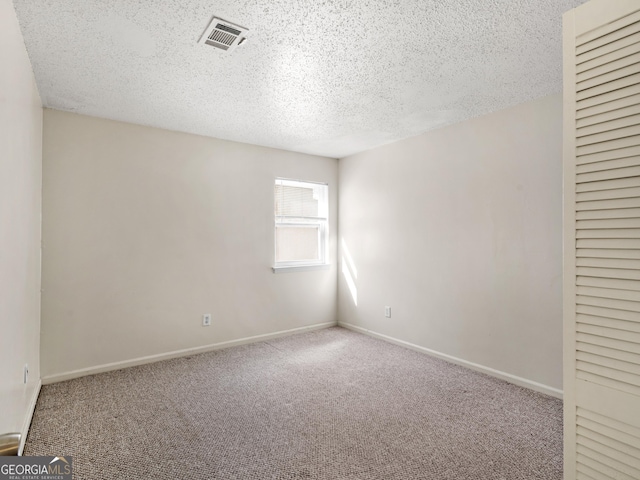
(330,77)
(327,405)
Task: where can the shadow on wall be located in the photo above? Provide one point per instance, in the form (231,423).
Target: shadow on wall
(350,272)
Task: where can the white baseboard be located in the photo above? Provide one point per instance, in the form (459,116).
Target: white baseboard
(522,382)
(60,377)
(27,422)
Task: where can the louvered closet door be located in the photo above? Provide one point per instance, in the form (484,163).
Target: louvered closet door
(602,240)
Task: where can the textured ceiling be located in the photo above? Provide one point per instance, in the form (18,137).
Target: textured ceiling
(329,77)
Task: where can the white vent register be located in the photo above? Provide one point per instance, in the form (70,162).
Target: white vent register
(223,35)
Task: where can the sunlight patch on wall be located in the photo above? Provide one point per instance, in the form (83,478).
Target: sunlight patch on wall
(349,271)
(349,259)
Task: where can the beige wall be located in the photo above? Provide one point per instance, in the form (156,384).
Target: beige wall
(459,231)
(20,207)
(145,230)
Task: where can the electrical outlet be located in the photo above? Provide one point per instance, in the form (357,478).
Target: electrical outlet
(387,312)
(26,373)
(206,320)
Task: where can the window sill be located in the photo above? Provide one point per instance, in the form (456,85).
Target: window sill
(300,268)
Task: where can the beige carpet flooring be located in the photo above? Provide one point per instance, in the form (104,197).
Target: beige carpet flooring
(331,404)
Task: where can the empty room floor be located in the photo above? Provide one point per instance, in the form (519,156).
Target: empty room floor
(330,404)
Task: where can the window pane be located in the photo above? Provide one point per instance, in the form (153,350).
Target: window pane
(297,201)
(295,243)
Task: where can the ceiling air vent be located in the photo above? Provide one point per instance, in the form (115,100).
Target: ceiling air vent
(224,35)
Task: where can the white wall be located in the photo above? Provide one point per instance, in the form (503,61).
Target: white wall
(20,207)
(145,230)
(459,231)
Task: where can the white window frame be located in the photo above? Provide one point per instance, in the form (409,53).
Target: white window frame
(321,222)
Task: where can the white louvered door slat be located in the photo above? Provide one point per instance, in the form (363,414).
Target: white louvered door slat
(609,204)
(607,53)
(600,31)
(608,243)
(623,81)
(608,63)
(607,214)
(628,142)
(628,106)
(599,262)
(605,253)
(614,164)
(606,313)
(607,352)
(607,292)
(609,233)
(591,132)
(602,240)
(607,174)
(609,223)
(612,184)
(605,101)
(617,153)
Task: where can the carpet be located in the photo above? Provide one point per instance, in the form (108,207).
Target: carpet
(330,404)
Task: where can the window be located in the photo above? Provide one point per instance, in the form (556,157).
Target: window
(301,223)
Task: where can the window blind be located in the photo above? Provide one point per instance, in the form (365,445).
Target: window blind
(300,222)
(298,201)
